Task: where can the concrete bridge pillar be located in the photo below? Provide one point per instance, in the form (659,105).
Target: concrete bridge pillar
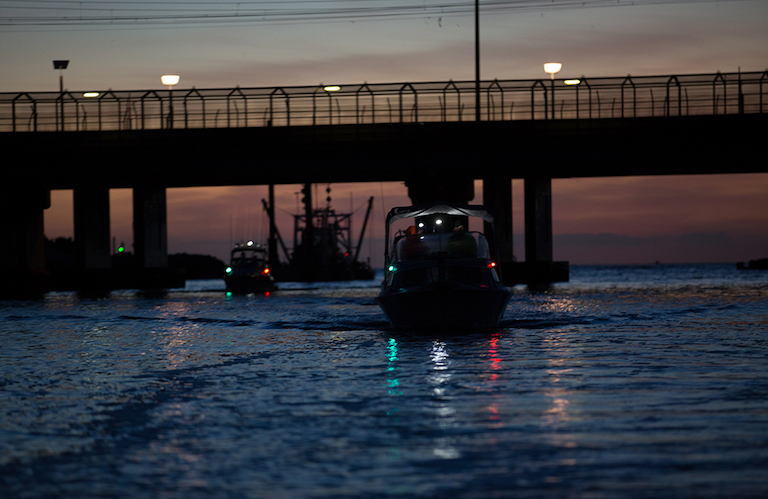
(22,241)
(540,269)
(150,242)
(538,219)
(92,229)
(93,261)
(150,230)
(497,195)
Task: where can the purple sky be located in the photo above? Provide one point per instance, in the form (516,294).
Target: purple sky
(624,220)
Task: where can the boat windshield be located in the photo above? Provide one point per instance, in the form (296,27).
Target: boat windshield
(247,259)
(450,245)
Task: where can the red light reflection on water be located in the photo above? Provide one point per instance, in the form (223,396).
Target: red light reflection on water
(493,354)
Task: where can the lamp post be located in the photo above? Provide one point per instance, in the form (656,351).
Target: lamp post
(477,60)
(329,89)
(61,66)
(552,68)
(170,81)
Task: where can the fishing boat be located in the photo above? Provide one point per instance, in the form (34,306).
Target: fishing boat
(323,249)
(439,274)
(248,271)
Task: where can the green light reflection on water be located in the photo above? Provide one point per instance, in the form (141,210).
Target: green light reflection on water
(392,381)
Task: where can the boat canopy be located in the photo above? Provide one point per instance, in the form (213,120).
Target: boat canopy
(398,213)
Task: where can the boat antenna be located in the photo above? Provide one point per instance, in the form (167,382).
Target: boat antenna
(362,231)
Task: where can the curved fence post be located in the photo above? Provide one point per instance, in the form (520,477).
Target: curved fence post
(589,95)
(533,99)
(186,110)
(314,105)
(33,117)
(143,112)
(445,100)
(287,107)
(715,99)
(489,100)
(679,96)
(634,96)
(119,108)
(415,102)
(357,104)
(77,110)
(237,112)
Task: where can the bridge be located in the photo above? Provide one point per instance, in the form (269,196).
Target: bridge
(426,134)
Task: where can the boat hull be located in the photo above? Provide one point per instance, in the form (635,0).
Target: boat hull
(249,284)
(445,307)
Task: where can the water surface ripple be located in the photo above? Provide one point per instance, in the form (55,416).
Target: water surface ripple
(625,382)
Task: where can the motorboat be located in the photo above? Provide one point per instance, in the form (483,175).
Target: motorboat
(248,271)
(438,273)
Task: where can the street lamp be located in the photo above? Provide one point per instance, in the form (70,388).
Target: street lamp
(170,81)
(552,68)
(61,66)
(477,60)
(328,89)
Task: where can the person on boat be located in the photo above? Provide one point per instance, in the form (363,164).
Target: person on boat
(413,247)
(460,244)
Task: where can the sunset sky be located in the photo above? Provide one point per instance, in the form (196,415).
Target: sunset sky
(721,218)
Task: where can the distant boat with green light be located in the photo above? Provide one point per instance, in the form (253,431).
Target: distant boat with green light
(248,271)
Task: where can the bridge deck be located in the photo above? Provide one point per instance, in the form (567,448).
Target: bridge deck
(389,152)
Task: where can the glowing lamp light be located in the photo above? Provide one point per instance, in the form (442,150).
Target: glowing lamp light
(228,270)
(392,268)
(169,80)
(421,225)
(90,95)
(438,222)
(491,265)
(552,68)
(572,82)
(265,272)
(249,243)
(332,88)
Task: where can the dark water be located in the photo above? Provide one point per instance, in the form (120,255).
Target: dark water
(625,382)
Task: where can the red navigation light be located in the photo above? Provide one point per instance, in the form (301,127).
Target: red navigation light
(265,272)
(491,265)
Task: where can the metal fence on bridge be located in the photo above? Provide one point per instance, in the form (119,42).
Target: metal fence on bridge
(500,100)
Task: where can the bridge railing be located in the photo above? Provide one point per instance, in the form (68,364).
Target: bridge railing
(500,100)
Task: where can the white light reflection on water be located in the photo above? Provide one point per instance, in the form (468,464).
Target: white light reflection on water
(439,380)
